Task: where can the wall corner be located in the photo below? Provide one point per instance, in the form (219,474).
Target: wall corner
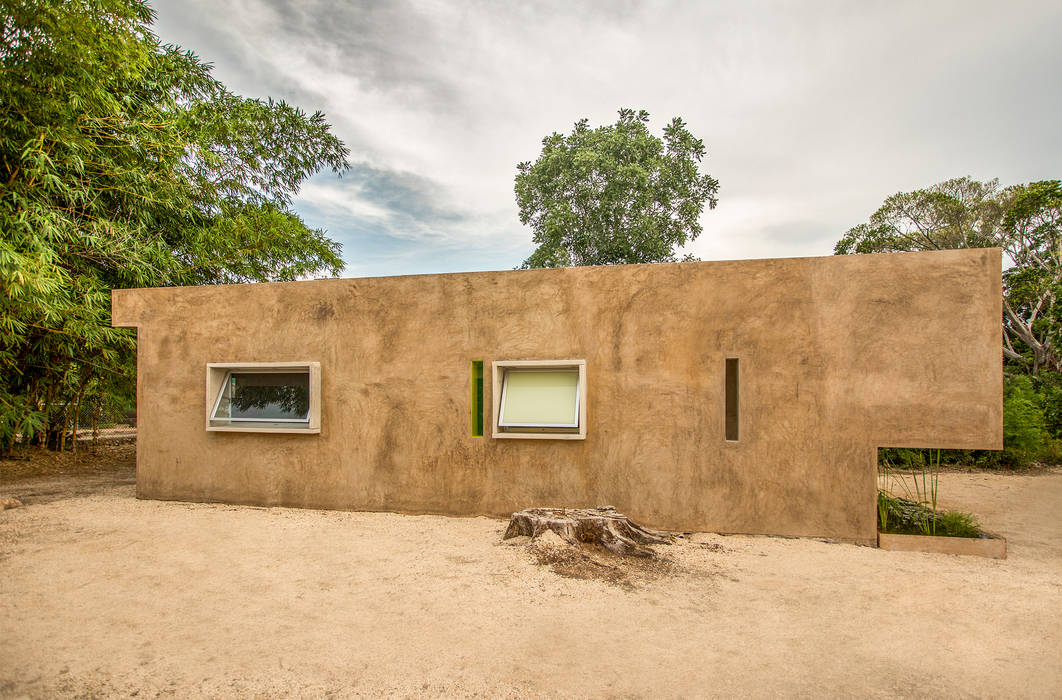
(124,308)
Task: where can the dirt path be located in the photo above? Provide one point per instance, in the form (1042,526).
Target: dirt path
(101,595)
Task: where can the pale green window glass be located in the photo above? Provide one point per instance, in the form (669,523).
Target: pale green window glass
(540,398)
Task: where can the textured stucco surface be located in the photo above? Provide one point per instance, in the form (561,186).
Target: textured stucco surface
(838,355)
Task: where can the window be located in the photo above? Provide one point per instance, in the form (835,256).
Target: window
(261,397)
(477,398)
(731,391)
(540,399)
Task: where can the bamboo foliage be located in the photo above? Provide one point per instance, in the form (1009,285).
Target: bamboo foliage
(124,163)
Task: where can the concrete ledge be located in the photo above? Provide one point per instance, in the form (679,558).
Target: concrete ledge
(993,548)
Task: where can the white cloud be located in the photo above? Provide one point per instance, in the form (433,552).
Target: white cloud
(348,202)
(812,113)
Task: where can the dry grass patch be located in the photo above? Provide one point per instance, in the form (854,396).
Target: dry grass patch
(593,562)
(88,460)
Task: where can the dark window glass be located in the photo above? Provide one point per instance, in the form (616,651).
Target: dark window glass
(266,396)
(732,398)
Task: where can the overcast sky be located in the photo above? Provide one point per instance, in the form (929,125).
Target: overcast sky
(812,112)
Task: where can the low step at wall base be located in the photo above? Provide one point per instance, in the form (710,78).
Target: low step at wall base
(993,548)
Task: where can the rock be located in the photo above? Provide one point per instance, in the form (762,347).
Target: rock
(9,502)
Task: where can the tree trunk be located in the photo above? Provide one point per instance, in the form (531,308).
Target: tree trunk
(603,526)
(96,422)
(49,395)
(77,417)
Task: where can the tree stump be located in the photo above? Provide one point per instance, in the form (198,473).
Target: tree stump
(603,526)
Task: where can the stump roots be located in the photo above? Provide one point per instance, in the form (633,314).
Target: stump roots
(603,525)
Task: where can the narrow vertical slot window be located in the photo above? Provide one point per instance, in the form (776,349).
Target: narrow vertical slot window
(732,399)
(477,398)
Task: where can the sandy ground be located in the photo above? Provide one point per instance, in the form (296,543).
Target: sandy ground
(104,595)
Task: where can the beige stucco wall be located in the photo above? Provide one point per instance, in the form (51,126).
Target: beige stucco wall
(839,355)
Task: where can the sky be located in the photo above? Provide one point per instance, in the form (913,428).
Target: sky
(812,112)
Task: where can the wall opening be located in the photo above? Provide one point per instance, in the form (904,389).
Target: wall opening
(539,399)
(477,398)
(732,417)
(263,397)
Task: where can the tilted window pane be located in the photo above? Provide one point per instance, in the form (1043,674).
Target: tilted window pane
(547,398)
(266,396)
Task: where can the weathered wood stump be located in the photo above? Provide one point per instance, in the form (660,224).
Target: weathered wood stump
(603,526)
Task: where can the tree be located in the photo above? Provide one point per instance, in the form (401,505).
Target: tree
(615,194)
(1024,220)
(957,213)
(1032,239)
(123,163)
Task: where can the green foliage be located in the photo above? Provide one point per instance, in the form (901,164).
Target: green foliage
(901,516)
(1032,237)
(956,523)
(615,194)
(916,512)
(1024,429)
(957,213)
(19,416)
(921,494)
(123,163)
(1049,398)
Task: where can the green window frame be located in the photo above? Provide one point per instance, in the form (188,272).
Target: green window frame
(476,400)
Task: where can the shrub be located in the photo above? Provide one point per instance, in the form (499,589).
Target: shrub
(1049,396)
(1024,429)
(901,516)
(955,523)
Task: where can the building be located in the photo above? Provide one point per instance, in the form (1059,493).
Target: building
(733,397)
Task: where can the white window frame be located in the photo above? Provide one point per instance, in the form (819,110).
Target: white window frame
(533,431)
(505,385)
(218,373)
